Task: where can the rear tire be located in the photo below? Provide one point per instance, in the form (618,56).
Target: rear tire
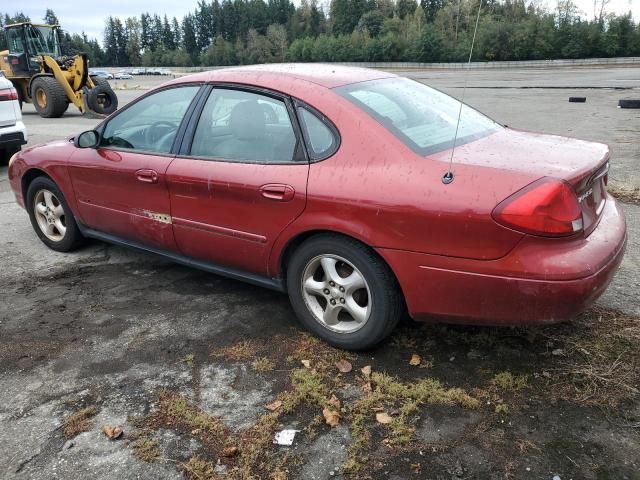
(51,216)
(49,97)
(359,286)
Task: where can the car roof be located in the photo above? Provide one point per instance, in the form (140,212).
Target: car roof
(329,76)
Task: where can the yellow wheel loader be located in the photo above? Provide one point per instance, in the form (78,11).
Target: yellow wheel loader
(43,76)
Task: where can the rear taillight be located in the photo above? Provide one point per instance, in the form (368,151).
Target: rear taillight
(547,207)
(8,94)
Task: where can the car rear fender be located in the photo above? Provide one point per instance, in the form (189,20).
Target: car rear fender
(306,226)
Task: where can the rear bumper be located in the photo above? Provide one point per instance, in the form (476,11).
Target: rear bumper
(13,136)
(557,279)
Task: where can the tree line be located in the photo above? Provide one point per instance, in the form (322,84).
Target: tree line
(231,32)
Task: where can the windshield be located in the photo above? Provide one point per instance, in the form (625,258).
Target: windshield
(42,41)
(421,117)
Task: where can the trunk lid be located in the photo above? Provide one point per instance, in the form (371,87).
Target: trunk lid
(584,165)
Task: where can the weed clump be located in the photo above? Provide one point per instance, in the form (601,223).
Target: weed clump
(78,422)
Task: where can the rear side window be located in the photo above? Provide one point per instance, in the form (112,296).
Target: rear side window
(242,126)
(321,140)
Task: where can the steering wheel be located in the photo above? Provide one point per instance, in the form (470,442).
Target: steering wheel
(158,131)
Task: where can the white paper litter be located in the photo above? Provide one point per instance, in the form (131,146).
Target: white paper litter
(285,437)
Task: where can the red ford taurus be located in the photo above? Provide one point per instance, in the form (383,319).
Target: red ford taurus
(335,185)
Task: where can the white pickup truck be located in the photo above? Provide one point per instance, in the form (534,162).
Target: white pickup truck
(13,133)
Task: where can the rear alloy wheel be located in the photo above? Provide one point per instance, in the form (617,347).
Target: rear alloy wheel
(336,294)
(51,217)
(343,292)
(49,97)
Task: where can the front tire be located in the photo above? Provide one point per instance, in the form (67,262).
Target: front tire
(343,292)
(51,216)
(49,97)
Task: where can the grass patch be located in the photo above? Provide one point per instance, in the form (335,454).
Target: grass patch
(404,399)
(188,359)
(508,382)
(238,352)
(600,365)
(78,422)
(175,409)
(257,458)
(146,449)
(263,364)
(322,356)
(197,468)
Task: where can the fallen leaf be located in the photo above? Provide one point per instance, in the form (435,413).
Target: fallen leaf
(344,366)
(334,402)
(331,416)
(306,363)
(383,417)
(230,451)
(112,432)
(366,371)
(415,360)
(273,406)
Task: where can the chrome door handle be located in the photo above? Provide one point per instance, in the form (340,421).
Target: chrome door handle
(278,192)
(147,176)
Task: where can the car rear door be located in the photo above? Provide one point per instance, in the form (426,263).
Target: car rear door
(121,186)
(239,179)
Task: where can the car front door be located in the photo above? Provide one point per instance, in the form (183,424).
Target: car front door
(239,180)
(121,185)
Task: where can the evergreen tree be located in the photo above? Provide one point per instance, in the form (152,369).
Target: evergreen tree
(50,18)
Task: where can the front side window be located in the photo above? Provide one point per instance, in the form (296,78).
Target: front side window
(421,117)
(321,141)
(151,124)
(237,125)
(14,37)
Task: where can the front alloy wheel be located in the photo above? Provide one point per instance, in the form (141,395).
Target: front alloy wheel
(50,215)
(342,291)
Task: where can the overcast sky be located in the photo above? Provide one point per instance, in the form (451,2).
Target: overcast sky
(78,17)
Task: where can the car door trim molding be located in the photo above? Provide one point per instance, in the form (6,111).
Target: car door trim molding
(276,284)
(228,232)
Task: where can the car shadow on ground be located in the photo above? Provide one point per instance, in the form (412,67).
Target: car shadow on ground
(202,371)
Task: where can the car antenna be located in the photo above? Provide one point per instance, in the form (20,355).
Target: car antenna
(447,178)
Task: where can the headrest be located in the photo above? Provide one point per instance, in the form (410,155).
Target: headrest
(247,120)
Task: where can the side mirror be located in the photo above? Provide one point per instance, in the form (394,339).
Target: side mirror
(88,139)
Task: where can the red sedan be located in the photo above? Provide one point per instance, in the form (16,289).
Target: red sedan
(339,186)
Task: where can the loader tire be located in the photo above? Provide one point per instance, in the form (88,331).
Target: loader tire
(49,97)
(102,99)
(100,81)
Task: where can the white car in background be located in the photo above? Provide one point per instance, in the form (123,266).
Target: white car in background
(13,133)
(123,75)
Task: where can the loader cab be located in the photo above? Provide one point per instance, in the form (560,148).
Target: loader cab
(27,42)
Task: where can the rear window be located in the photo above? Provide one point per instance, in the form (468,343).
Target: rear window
(423,118)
